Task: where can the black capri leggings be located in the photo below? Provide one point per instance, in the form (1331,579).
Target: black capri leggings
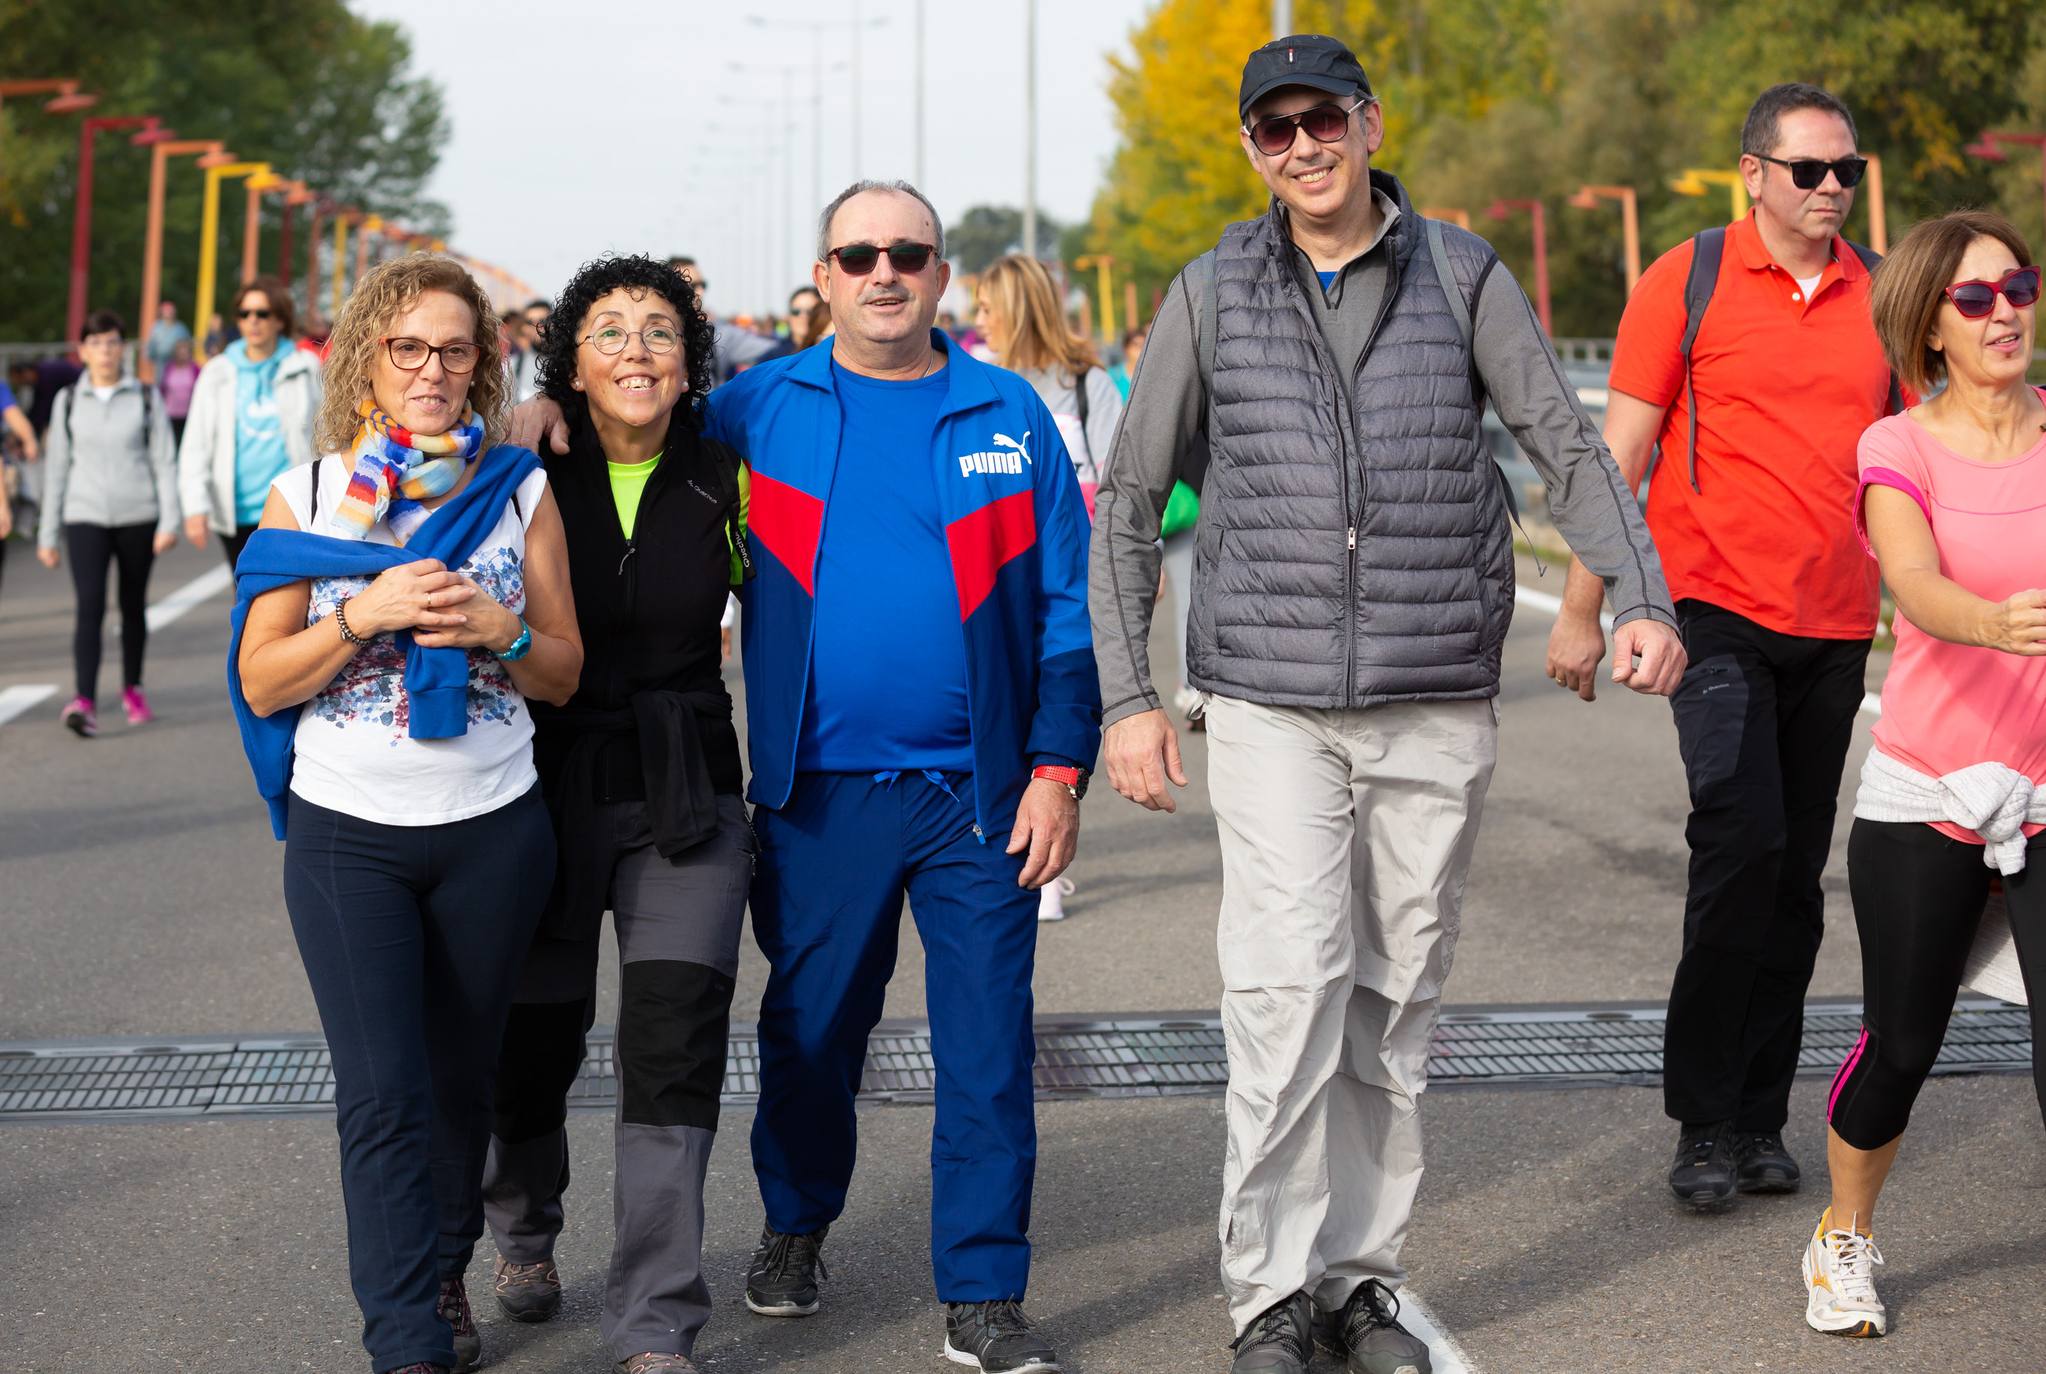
(91,548)
(1918,897)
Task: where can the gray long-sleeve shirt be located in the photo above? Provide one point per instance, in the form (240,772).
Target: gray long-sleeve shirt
(103,466)
(1166,418)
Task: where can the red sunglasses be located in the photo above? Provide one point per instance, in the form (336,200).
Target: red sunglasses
(1976,299)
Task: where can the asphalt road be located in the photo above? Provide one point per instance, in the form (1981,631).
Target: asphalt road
(139,898)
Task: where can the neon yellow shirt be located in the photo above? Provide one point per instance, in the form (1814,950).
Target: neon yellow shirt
(628,484)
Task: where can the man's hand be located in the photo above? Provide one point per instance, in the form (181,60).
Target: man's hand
(195,530)
(1142,752)
(1048,825)
(1576,645)
(1662,655)
(535,420)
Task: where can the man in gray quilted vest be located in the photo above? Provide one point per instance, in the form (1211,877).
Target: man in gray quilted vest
(1353,580)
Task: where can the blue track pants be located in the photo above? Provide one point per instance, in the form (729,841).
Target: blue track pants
(835,864)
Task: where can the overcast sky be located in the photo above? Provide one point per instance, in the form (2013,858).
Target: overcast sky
(620,124)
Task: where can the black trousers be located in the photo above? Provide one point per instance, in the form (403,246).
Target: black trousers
(1918,898)
(91,549)
(231,544)
(1764,721)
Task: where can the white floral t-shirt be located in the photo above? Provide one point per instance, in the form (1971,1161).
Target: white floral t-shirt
(354,752)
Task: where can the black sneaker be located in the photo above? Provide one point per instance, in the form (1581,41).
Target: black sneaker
(527,1292)
(782,1280)
(1279,1341)
(1702,1173)
(1368,1335)
(996,1337)
(422,1369)
(1762,1165)
(454,1308)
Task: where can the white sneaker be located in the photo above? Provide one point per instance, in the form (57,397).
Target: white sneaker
(1051,899)
(1839,1280)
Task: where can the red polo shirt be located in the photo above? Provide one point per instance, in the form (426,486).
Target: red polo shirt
(1785,386)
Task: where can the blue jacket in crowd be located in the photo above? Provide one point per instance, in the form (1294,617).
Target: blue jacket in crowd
(1017,531)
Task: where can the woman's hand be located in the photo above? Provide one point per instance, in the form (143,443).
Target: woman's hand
(165,541)
(195,530)
(2017,625)
(484,624)
(47,557)
(412,596)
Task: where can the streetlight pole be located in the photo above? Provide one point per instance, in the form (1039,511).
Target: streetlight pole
(81,215)
(1448,215)
(817,27)
(209,245)
(1282,18)
(1878,214)
(1500,209)
(252,227)
(211,155)
(65,97)
(1588,197)
(1103,266)
(1695,181)
(1030,128)
(343,217)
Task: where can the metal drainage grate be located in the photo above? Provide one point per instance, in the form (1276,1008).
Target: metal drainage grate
(1133,1057)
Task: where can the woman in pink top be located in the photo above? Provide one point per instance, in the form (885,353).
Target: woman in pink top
(180,375)
(1953,503)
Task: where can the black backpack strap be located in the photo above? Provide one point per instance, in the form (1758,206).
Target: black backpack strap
(1080,395)
(1869,258)
(67,396)
(312,506)
(1460,311)
(1707,248)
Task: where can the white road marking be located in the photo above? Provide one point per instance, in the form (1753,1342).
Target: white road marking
(15,700)
(1443,1351)
(191,594)
(1552,606)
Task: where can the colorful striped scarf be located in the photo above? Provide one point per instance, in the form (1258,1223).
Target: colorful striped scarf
(396,469)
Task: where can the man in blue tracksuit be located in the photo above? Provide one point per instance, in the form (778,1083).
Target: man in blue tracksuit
(922,706)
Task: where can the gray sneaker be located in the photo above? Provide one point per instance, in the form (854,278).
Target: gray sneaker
(1367,1334)
(1279,1340)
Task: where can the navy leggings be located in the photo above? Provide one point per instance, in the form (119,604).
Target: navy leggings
(1918,897)
(413,937)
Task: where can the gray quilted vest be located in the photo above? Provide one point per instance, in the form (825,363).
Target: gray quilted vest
(1347,554)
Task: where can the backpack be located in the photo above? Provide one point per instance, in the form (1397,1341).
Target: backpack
(1708,246)
(69,396)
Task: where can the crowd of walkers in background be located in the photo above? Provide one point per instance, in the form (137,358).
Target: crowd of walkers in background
(483,694)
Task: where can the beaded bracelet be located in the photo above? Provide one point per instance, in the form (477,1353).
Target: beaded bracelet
(341,619)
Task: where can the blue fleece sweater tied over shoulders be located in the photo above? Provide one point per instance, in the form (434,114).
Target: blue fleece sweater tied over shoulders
(437,680)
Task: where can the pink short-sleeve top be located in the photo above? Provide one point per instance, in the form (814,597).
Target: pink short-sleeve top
(1947,706)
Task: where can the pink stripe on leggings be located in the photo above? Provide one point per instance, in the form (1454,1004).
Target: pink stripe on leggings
(1846,1071)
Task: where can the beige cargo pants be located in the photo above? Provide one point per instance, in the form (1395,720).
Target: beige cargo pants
(1346,837)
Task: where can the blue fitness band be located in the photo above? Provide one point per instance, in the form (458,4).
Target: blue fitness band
(520,647)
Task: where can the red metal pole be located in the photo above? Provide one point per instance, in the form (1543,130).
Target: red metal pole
(81,233)
(312,261)
(1541,257)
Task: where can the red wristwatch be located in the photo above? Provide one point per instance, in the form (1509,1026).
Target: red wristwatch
(1073,779)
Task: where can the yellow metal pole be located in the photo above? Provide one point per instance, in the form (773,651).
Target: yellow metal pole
(209,247)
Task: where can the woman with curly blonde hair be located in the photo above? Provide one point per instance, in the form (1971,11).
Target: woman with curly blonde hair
(402,598)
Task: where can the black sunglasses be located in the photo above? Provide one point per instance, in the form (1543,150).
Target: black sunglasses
(1976,300)
(858,259)
(1808,173)
(1325,123)
(255,314)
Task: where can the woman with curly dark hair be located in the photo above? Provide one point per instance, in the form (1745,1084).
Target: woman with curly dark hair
(641,772)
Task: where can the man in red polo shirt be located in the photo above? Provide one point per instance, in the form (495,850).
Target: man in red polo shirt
(1777,604)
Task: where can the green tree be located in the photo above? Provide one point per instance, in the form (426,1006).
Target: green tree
(986,232)
(320,94)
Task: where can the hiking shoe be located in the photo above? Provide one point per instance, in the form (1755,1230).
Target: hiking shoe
(136,705)
(527,1292)
(996,1337)
(1367,1333)
(454,1308)
(1839,1279)
(81,717)
(656,1362)
(782,1279)
(1279,1340)
(1702,1173)
(1762,1165)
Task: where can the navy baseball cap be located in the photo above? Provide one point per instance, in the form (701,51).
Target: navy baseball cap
(1303,59)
